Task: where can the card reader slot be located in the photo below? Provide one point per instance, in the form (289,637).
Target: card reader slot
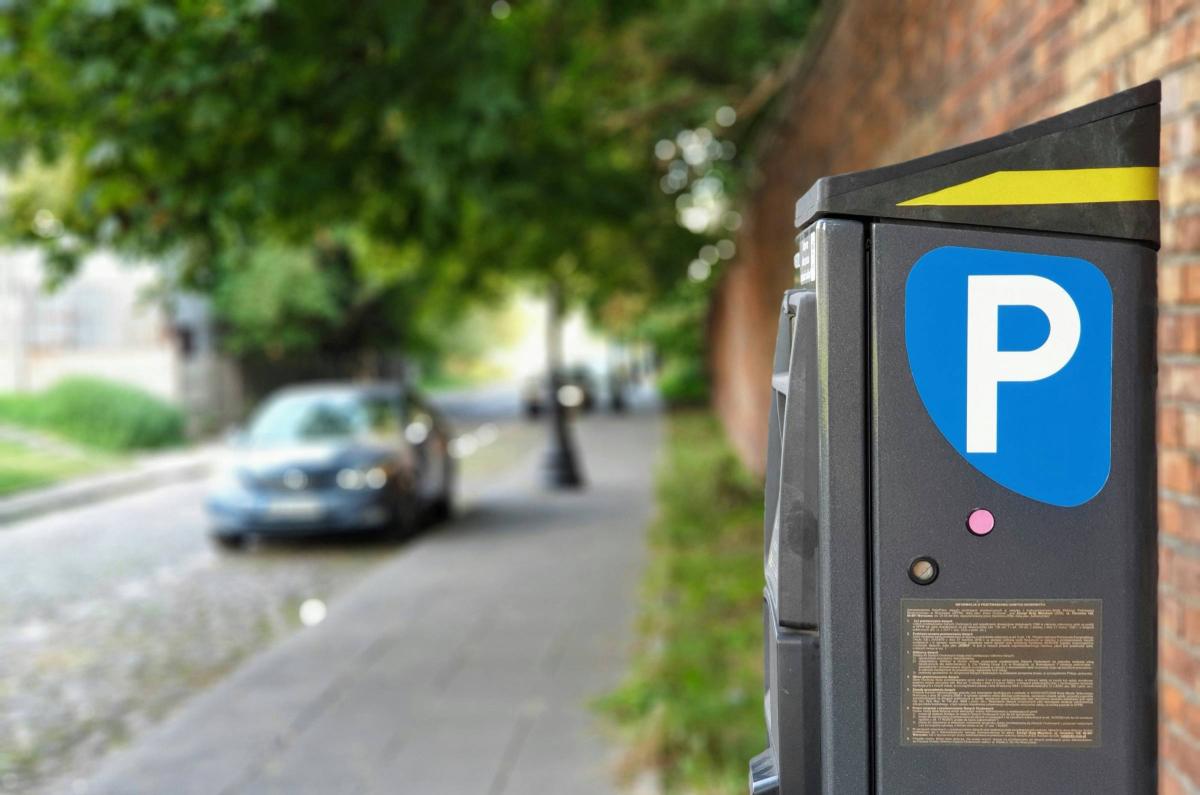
(793,550)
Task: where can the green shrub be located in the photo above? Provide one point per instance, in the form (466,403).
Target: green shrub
(683,382)
(676,327)
(98,413)
(691,705)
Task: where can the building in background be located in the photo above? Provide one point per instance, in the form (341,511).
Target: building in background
(111,320)
(891,81)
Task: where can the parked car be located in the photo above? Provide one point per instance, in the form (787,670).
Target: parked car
(333,457)
(577,389)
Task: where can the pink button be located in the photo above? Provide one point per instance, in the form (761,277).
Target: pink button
(981,522)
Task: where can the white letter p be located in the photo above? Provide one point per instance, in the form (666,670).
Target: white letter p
(987,366)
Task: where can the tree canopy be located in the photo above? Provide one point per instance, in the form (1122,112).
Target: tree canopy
(419,153)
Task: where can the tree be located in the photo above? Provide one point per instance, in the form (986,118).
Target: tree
(444,144)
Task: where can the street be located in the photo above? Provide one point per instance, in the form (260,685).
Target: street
(117,613)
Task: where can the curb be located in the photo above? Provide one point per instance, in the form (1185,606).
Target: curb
(98,488)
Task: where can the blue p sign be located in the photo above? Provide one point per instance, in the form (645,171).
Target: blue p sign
(1011,354)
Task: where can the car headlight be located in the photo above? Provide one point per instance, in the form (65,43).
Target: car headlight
(355,479)
(376,478)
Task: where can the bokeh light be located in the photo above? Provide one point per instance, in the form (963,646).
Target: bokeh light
(312,612)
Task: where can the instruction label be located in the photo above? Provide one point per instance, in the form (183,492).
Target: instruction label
(1002,672)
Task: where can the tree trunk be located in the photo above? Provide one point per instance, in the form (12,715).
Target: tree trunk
(560,466)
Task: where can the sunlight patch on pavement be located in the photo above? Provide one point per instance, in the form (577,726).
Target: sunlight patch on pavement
(312,612)
(486,434)
(33,631)
(470,443)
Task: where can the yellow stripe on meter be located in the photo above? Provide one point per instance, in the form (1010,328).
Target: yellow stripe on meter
(1049,186)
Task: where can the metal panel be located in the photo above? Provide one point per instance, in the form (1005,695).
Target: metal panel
(1114,132)
(817,548)
(793,575)
(793,706)
(843,550)
(1102,549)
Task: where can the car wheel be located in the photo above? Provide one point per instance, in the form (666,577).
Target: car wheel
(443,506)
(405,520)
(229,542)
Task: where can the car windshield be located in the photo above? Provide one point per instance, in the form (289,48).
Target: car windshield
(320,417)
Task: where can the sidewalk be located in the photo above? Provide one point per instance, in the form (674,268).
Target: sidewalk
(464,665)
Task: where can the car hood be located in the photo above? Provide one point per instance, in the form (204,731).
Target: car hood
(262,461)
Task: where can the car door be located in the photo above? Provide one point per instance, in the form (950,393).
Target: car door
(385,416)
(429,448)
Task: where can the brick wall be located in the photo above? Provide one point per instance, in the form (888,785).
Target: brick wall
(893,80)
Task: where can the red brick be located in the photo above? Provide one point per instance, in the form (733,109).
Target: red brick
(1170,516)
(1184,39)
(1185,139)
(1178,380)
(1171,702)
(1181,234)
(1170,615)
(1187,328)
(1180,188)
(1170,783)
(1175,470)
(1183,753)
(1170,285)
(1170,426)
(1179,520)
(1183,573)
(1179,283)
(1168,9)
(1177,661)
(1179,333)
(1189,425)
(1191,628)
(1191,283)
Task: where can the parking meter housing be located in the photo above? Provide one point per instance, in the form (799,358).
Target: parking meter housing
(960,512)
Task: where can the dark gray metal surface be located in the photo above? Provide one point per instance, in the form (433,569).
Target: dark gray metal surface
(793,704)
(1120,130)
(861,483)
(795,559)
(793,576)
(1103,549)
(843,550)
(817,547)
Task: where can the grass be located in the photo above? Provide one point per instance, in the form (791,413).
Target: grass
(449,382)
(23,467)
(99,414)
(691,705)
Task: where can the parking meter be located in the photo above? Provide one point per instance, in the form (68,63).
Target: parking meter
(960,516)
